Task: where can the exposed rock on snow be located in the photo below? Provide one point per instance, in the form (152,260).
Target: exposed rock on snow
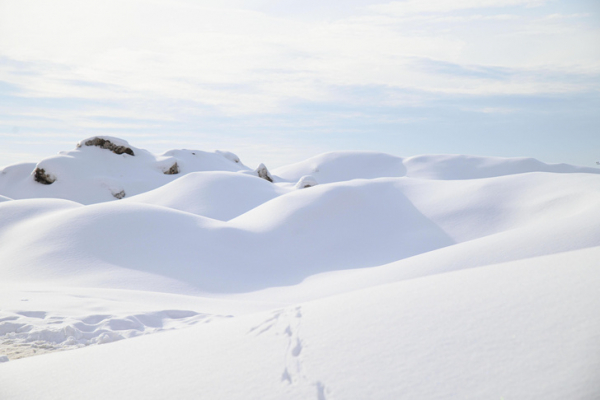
(107,144)
(119,195)
(306,181)
(263,173)
(40,175)
(173,170)
(86,172)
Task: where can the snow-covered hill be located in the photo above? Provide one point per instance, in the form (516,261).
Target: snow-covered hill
(350,275)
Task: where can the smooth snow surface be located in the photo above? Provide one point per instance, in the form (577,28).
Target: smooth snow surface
(351,275)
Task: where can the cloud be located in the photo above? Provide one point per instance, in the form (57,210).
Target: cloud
(408,7)
(229,67)
(243,61)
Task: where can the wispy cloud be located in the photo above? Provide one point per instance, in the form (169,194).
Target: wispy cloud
(225,66)
(408,7)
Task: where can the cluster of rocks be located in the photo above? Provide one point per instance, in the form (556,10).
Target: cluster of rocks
(108,145)
(41,176)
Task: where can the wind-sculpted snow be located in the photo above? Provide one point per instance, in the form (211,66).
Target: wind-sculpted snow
(526,329)
(25,336)
(91,174)
(350,275)
(281,242)
(355,224)
(472,167)
(343,166)
(217,195)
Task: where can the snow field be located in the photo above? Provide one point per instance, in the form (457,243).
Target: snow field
(423,338)
(350,275)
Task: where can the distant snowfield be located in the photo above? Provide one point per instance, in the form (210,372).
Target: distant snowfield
(350,275)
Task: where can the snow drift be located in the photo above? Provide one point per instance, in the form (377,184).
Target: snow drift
(348,275)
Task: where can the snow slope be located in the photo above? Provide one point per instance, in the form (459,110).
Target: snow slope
(216,195)
(351,275)
(521,330)
(354,224)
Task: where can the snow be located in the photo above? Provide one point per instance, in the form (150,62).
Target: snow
(305,182)
(352,275)
(217,195)
(90,174)
(343,166)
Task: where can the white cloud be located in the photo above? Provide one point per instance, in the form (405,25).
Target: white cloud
(443,6)
(242,61)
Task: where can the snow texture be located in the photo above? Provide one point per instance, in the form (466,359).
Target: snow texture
(350,275)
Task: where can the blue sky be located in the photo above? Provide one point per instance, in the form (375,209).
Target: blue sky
(279,81)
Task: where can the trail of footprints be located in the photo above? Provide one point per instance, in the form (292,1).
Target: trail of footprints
(293,371)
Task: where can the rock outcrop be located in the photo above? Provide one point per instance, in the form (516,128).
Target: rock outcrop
(40,176)
(108,145)
(263,172)
(174,170)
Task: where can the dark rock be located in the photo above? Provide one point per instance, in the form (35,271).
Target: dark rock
(107,144)
(263,172)
(119,195)
(40,175)
(173,170)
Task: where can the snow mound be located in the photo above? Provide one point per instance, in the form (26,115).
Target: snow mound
(93,240)
(347,165)
(306,181)
(346,225)
(472,167)
(396,278)
(217,195)
(104,168)
(343,166)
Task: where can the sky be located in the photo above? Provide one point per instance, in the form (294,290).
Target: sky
(280,81)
